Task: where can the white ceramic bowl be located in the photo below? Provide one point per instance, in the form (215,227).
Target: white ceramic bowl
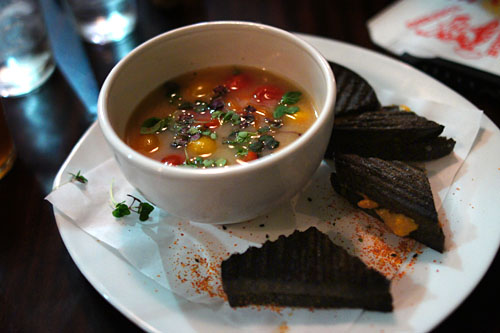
(218,195)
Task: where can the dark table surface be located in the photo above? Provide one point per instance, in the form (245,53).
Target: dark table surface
(41,289)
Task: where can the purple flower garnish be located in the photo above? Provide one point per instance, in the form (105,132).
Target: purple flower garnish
(185,118)
(249,108)
(247,120)
(195,137)
(275,123)
(179,141)
(220,91)
(216,104)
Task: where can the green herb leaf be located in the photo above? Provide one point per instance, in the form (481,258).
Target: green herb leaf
(242,151)
(144,210)
(154,125)
(220,162)
(121,210)
(235,118)
(281,110)
(264,129)
(256,146)
(283,107)
(290,97)
(217,114)
(208,163)
(213,135)
(242,137)
(193,130)
(78,177)
(269,141)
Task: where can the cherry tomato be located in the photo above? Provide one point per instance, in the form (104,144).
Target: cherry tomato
(206,119)
(268,93)
(147,143)
(202,146)
(237,82)
(250,156)
(173,159)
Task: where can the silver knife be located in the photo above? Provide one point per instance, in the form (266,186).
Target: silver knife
(70,54)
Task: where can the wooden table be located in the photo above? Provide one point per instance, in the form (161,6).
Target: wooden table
(41,289)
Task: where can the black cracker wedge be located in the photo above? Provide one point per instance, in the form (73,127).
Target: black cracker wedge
(394,186)
(305,269)
(389,134)
(354,94)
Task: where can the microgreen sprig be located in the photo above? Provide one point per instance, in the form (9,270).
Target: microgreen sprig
(155,125)
(121,209)
(229,116)
(78,177)
(284,107)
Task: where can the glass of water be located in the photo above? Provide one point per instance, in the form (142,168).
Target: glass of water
(104,21)
(25,56)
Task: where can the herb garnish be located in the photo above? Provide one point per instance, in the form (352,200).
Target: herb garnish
(229,116)
(193,131)
(264,141)
(155,125)
(121,209)
(78,177)
(253,141)
(290,98)
(284,107)
(199,162)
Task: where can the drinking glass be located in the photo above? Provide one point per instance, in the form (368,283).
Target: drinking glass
(7,150)
(104,21)
(26,60)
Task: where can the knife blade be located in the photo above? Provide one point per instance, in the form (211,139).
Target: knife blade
(69,53)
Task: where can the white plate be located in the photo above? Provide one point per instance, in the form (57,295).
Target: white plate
(472,211)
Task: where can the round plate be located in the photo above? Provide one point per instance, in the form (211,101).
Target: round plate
(472,213)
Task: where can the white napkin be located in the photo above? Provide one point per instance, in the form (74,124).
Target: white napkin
(185,257)
(465,32)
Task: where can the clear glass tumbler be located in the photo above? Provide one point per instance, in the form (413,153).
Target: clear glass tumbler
(26,60)
(104,21)
(7,150)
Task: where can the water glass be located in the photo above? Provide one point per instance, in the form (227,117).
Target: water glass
(25,56)
(104,21)
(7,150)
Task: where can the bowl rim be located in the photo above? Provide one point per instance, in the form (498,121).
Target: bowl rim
(148,163)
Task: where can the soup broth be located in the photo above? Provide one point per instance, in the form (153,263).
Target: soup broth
(219,116)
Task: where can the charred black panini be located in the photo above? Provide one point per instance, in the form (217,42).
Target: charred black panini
(354,94)
(305,269)
(390,133)
(392,191)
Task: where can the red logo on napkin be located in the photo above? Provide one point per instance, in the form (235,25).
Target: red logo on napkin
(453,25)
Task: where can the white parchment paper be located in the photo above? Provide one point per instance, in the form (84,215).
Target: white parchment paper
(185,257)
